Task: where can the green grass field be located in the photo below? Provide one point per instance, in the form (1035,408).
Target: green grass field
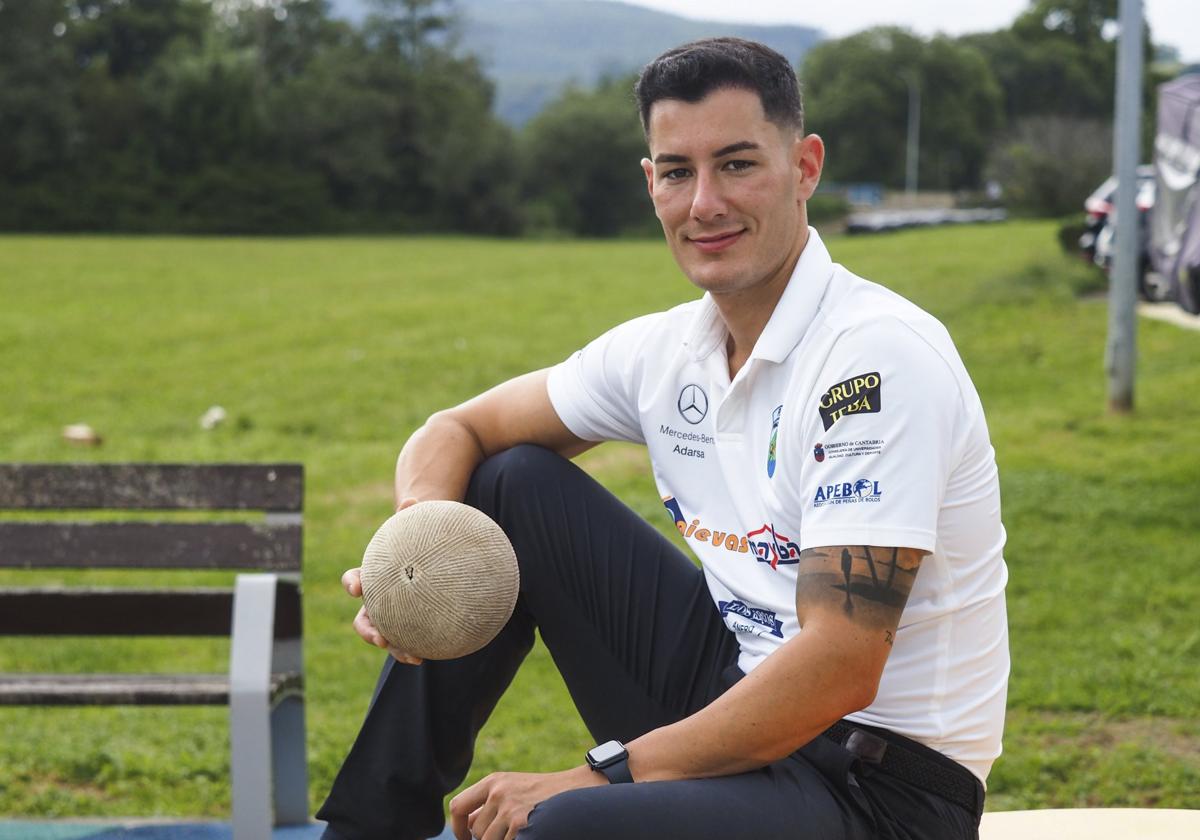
(331,351)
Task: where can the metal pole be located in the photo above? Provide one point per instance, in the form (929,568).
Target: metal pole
(914,134)
(1121,352)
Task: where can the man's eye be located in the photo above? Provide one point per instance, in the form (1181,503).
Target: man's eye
(675,174)
(739,165)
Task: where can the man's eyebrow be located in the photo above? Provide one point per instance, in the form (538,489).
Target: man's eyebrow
(743,146)
(732,148)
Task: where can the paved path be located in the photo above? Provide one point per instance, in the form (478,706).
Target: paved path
(1170,313)
(145,829)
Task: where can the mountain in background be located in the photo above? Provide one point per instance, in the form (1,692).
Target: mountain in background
(532,49)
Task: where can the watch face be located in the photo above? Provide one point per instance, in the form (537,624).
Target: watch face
(606,752)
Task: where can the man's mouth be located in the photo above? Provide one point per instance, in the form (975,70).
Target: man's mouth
(715,242)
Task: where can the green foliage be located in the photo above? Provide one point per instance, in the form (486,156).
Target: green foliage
(826,207)
(1055,59)
(331,351)
(582,172)
(188,116)
(1048,165)
(858,93)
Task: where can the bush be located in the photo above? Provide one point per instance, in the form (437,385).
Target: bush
(825,208)
(1049,165)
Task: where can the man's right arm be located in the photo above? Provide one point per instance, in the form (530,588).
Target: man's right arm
(438,460)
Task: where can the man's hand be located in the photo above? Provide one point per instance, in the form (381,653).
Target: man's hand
(363,626)
(498,806)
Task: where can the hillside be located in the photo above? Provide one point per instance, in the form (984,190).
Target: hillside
(533,48)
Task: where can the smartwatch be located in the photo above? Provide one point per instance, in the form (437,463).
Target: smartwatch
(612,759)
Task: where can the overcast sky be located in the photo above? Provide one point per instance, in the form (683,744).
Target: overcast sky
(1173,22)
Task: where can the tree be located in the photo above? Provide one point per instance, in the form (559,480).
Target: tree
(1029,163)
(857,92)
(581,163)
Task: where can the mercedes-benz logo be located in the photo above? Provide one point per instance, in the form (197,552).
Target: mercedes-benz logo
(693,403)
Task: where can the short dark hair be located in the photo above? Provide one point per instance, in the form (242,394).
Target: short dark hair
(694,70)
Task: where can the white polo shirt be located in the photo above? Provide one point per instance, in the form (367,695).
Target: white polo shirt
(853,422)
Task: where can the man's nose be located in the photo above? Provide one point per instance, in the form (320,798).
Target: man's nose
(708,202)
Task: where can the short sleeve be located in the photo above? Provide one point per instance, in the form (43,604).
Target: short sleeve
(594,391)
(879,435)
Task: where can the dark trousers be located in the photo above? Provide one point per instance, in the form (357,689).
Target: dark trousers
(629,622)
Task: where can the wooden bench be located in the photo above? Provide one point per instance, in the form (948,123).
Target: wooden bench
(261,614)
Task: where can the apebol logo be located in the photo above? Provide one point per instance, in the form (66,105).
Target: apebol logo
(848,492)
(769,546)
(743,618)
(693,403)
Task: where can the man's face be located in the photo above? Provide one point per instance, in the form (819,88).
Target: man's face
(729,187)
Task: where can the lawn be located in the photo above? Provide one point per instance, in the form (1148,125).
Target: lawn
(331,351)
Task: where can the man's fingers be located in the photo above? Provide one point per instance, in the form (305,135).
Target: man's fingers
(409,502)
(352,582)
(367,629)
(404,657)
(464,808)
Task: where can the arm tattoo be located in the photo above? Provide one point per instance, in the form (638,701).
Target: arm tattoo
(869,586)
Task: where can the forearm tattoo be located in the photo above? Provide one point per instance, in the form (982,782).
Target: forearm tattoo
(869,585)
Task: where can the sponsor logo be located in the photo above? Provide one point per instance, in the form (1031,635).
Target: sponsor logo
(676,512)
(694,530)
(690,437)
(769,546)
(693,404)
(775,415)
(688,451)
(742,618)
(847,449)
(856,395)
(848,493)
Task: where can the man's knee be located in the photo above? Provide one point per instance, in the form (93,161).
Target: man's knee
(572,814)
(521,468)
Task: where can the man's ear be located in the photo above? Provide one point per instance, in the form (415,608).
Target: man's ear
(648,169)
(808,159)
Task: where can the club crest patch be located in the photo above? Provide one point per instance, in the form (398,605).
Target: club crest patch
(772,446)
(857,395)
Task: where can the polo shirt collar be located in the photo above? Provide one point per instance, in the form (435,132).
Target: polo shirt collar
(793,313)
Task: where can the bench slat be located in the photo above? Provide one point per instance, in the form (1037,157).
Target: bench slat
(160,545)
(273,487)
(56,611)
(128,689)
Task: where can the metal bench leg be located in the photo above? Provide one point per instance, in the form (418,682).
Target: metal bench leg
(289,761)
(249,705)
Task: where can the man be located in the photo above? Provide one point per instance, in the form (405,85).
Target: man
(838,669)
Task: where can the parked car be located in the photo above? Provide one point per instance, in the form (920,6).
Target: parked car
(1103,200)
(1098,242)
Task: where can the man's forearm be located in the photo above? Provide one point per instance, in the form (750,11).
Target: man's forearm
(437,461)
(791,698)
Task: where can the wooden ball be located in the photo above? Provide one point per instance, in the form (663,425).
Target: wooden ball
(439,579)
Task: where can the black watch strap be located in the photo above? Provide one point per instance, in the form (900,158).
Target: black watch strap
(612,759)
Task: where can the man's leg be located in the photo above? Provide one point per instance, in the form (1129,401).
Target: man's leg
(626,616)
(817,793)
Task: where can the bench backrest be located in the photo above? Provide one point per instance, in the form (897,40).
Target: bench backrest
(272,545)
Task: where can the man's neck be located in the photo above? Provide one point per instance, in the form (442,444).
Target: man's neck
(747,312)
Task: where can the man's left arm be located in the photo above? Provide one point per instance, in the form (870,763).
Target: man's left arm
(848,599)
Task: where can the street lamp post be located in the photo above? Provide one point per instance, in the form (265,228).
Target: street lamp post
(914,134)
(1120,353)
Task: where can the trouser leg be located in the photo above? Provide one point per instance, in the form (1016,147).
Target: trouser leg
(625,615)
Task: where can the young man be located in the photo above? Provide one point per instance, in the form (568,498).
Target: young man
(838,669)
